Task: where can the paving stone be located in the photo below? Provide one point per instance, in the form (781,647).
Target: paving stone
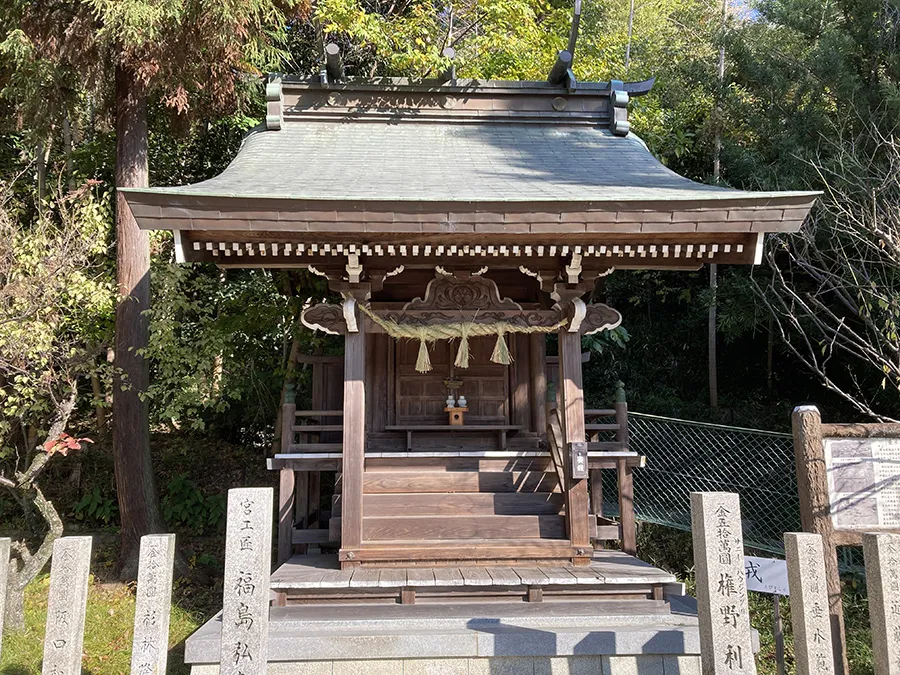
(633,665)
(502,666)
(304,668)
(370,667)
(681,665)
(436,667)
(568,665)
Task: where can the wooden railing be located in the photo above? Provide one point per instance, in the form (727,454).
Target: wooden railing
(309,423)
(604,454)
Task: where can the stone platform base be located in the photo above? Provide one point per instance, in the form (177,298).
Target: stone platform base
(498,665)
(549,638)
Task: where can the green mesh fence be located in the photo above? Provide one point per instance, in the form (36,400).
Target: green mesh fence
(684,457)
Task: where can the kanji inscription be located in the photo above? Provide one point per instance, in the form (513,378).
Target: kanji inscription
(150,646)
(245,607)
(882,553)
(863,482)
(64,636)
(813,653)
(725,637)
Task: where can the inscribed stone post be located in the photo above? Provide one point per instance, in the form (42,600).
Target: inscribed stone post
(150,646)
(5,545)
(64,636)
(882,552)
(813,647)
(725,635)
(245,605)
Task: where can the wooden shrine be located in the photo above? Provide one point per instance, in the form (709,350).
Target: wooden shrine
(461,226)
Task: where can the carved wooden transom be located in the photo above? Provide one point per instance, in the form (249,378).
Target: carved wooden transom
(448,293)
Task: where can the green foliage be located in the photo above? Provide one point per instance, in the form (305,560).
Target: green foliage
(185,506)
(96,508)
(57,301)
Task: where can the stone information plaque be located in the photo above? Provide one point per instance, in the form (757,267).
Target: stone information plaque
(245,606)
(150,646)
(64,636)
(882,552)
(863,482)
(725,636)
(813,652)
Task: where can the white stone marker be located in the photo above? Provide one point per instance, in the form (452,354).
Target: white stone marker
(245,605)
(882,552)
(64,637)
(5,545)
(150,646)
(813,651)
(725,636)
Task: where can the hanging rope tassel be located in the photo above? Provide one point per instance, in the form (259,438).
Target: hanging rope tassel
(423,361)
(501,351)
(462,354)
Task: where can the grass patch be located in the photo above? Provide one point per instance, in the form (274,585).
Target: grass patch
(108,631)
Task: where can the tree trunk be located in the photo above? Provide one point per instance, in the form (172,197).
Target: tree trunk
(135,485)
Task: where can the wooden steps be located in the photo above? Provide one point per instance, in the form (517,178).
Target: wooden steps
(399,527)
(461,509)
(412,482)
(473,504)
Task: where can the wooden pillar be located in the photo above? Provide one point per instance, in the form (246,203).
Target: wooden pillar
(354,446)
(626,507)
(626,481)
(538,358)
(288,420)
(572,407)
(285,515)
(815,516)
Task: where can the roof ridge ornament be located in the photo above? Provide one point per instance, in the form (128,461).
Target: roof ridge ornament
(562,72)
(618,108)
(334,64)
(274,103)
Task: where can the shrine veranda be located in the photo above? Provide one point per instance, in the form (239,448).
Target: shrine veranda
(459,223)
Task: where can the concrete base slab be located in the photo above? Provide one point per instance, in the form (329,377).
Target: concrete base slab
(467,632)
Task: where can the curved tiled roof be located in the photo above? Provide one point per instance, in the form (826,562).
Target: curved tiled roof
(448,162)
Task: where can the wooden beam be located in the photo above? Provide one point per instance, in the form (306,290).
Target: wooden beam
(572,408)
(354,444)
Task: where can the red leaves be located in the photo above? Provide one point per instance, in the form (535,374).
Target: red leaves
(64,444)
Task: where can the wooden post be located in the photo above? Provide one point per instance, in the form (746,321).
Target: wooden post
(815,516)
(288,420)
(626,507)
(625,478)
(572,408)
(354,440)
(285,515)
(597,492)
(778,630)
(538,356)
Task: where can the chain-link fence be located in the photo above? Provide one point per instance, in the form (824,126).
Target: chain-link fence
(684,457)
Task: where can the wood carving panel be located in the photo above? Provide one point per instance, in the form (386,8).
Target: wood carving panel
(450,294)
(600,317)
(328,318)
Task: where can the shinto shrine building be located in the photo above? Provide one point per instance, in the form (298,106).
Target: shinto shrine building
(459,224)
